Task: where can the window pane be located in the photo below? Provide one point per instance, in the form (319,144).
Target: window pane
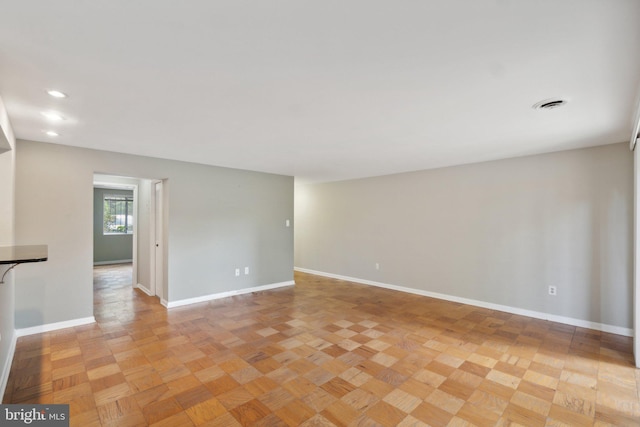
(118,214)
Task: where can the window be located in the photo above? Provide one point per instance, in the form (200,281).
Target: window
(118,214)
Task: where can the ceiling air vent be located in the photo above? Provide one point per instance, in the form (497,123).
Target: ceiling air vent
(549,104)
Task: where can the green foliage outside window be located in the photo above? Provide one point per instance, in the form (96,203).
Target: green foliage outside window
(117,214)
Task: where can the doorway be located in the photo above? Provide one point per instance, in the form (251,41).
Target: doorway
(141,220)
(115,225)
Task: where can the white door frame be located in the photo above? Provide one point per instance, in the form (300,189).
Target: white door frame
(157,240)
(134,270)
(636,255)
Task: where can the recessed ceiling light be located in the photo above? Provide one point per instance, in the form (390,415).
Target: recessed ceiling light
(57,94)
(52,116)
(51,133)
(549,104)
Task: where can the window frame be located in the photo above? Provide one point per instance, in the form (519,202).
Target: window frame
(128,214)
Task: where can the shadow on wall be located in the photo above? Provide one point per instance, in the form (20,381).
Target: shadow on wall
(34,291)
(613,276)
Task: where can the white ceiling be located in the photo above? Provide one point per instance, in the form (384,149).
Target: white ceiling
(323,90)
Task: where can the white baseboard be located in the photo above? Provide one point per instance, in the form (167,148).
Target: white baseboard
(116,261)
(6,368)
(164,302)
(144,289)
(204,298)
(54,326)
(499,307)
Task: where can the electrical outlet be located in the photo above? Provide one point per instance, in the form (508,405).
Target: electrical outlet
(377,266)
(553,290)
(246,270)
(237,272)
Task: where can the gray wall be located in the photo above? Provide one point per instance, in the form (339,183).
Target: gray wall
(499,232)
(7,217)
(216,220)
(109,247)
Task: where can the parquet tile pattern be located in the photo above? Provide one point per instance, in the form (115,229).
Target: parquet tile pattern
(323,353)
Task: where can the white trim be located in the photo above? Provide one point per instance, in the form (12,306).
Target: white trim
(152,238)
(499,307)
(114,186)
(164,302)
(134,245)
(172,304)
(6,369)
(54,326)
(117,261)
(636,254)
(144,289)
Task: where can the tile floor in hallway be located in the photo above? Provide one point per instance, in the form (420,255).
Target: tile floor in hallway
(322,353)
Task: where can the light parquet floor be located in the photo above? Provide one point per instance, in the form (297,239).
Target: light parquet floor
(322,353)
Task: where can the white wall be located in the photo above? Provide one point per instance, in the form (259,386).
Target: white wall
(218,219)
(499,232)
(7,217)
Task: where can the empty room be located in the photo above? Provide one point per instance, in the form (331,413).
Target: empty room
(283,213)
